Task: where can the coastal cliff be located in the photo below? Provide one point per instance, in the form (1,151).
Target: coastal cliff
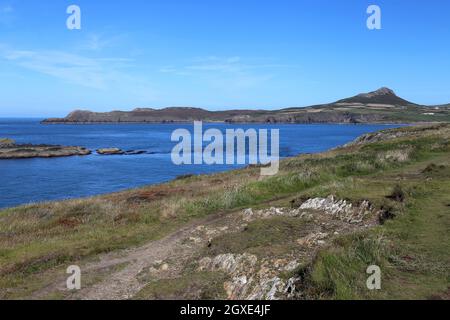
(380,106)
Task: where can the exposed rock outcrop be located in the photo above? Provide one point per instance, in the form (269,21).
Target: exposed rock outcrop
(253,278)
(250,214)
(341,209)
(110,151)
(250,281)
(230,263)
(117,151)
(24,151)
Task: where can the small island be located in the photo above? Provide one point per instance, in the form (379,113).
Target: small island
(117,151)
(110,151)
(10,150)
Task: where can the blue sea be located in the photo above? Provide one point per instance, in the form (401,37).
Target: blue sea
(37,180)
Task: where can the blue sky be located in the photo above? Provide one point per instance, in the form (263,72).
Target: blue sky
(217,54)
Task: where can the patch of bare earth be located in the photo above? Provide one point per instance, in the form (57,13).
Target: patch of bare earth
(251,277)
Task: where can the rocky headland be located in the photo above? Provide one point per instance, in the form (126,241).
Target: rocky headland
(379,106)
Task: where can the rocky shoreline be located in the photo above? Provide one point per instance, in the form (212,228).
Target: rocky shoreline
(309,233)
(10,150)
(380,106)
(117,151)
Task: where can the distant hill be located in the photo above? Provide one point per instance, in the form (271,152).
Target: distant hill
(381,96)
(380,106)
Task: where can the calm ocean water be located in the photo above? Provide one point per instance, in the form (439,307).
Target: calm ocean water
(37,180)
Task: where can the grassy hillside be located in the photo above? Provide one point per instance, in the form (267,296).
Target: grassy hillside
(405,172)
(380,106)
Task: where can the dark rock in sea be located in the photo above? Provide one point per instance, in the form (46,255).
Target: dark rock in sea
(110,151)
(135,152)
(117,151)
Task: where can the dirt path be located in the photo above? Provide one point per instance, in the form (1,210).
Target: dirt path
(124,283)
(122,274)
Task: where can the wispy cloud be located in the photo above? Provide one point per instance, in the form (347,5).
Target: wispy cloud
(97,73)
(6,15)
(231,71)
(230,64)
(226,76)
(65,66)
(99,41)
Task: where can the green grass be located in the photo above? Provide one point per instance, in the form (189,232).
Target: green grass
(412,250)
(408,115)
(198,285)
(267,237)
(36,239)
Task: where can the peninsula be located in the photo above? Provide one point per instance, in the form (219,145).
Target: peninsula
(380,106)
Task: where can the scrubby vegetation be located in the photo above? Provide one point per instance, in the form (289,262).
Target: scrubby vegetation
(412,251)
(406,173)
